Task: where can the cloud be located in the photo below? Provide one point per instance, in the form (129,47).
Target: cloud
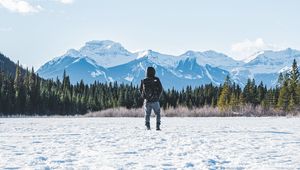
(24,7)
(20,6)
(245,49)
(66,1)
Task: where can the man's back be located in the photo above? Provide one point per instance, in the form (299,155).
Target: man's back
(151,89)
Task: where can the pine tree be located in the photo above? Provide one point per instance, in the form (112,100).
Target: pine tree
(241,99)
(269,100)
(284,95)
(291,104)
(18,89)
(280,80)
(260,93)
(294,81)
(223,101)
(17,82)
(233,101)
(294,74)
(265,104)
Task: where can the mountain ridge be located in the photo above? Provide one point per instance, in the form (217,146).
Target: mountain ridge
(108,61)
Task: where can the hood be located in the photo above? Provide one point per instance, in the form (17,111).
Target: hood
(150,72)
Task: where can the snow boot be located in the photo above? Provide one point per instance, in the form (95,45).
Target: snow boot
(148,126)
(157,127)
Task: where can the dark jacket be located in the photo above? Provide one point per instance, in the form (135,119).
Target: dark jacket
(157,88)
(152,85)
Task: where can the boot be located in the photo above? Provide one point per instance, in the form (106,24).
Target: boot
(148,126)
(157,127)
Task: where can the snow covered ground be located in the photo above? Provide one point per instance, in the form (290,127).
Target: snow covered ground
(123,143)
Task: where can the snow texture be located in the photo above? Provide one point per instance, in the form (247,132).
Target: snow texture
(123,143)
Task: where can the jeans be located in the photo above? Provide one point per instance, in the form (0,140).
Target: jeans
(148,106)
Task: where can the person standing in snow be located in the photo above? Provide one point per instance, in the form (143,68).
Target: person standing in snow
(151,90)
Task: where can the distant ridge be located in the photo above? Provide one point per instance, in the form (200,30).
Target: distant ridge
(109,61)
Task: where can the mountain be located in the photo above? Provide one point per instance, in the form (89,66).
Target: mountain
(76,65)
(187,72)
(272,61)
(266,66)
(134,71)
(108,61)
(9,67)
(191,70)
(165,60)
(214,59)
(106,53)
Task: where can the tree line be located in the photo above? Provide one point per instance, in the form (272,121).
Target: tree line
(25,93)
(285,96)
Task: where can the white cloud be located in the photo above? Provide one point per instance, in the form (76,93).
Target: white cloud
(244,50)
(20,6)
(66,1)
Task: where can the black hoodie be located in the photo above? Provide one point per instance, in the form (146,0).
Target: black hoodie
(153,83)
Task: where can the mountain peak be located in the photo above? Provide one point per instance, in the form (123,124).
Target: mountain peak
(213,53)
(103,45)
(72,52)
(190,53)
(145,53)
(101,42)
(106,53)
(253,56)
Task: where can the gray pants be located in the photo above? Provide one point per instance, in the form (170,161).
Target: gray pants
(148,106)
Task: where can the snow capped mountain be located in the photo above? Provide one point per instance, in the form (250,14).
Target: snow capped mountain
(106,53)
(134,71)
(76,65)
(165,60)
(187,72)
(213,58)
(51,68)
(108,61)
(190,69)
(273,61)
(266,66)
(253,56)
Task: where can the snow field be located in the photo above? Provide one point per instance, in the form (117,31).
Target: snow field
(123,143)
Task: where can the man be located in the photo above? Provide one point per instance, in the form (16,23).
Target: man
(151,90)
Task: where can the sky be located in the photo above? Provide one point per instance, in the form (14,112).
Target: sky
(35,31)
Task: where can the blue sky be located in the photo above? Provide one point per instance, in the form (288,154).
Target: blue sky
(35,31)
